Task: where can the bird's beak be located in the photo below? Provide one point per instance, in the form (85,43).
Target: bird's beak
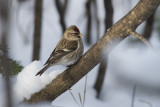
(79,34)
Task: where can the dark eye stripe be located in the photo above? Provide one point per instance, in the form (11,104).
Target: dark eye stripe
(75,33)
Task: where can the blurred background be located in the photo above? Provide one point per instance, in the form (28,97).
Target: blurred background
(128,77)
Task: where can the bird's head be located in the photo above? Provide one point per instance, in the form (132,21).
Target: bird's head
(72,33)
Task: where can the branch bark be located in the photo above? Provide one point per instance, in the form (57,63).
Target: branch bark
(141,38)
(94,55)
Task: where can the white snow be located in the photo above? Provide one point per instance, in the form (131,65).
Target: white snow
(26,83)
(137,64)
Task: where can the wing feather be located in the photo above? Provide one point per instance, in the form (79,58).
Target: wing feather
(63,48)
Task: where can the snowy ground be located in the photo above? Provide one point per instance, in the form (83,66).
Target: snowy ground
(128,65)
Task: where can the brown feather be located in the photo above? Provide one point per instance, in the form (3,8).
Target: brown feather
(42,70)
(59,52)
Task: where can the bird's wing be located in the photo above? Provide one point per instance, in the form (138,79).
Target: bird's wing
(65,48)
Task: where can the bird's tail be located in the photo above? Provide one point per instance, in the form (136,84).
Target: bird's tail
(42,70)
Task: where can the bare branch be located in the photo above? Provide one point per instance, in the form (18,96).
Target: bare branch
(85,90)
(80,99)
(73,97)
(141,38)
(133,95)
(148,103)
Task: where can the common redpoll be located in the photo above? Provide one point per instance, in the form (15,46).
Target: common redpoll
(68,50)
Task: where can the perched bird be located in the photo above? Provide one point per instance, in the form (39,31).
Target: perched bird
(68,50)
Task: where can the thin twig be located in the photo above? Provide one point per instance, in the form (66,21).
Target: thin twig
(85,90)
(133,95)
(140,37)
(73,97)
(146,102)
(80,99)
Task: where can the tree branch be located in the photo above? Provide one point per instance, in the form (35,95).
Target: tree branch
(94,55)
(141,38)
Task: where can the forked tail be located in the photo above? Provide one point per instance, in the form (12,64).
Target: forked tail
(42,70)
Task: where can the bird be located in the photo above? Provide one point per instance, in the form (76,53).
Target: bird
(68,50)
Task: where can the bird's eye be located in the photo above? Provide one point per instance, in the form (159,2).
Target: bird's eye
(75,33)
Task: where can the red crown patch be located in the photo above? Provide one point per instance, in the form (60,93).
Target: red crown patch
(76,29)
